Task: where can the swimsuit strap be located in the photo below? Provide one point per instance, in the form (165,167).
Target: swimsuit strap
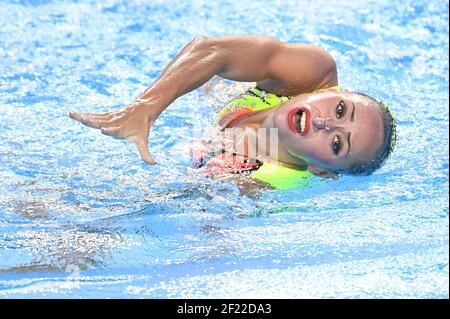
(253,100)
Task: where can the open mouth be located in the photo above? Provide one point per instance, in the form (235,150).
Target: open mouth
(299,120)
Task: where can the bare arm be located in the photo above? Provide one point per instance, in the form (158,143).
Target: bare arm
(290,68)
(278,67)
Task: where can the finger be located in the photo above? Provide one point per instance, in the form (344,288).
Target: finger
(144,152)
(91,122)
(115,131)
(90,119)
(73,114)
(98,116)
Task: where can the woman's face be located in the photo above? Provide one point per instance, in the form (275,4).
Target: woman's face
(331,130)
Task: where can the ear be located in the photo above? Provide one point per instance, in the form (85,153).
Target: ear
(322,172)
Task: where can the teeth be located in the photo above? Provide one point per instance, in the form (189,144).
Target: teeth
(302,122)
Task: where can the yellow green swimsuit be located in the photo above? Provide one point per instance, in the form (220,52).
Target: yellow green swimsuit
(280,177)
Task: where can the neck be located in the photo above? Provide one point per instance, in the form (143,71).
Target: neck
(250,124)
(255,120)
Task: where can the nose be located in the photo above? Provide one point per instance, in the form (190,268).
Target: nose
(322,123)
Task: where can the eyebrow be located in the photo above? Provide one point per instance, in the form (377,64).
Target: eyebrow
(349,144)
(352,117)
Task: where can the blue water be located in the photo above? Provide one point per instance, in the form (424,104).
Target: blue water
(82,216)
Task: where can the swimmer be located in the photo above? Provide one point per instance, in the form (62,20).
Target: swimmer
(320,128)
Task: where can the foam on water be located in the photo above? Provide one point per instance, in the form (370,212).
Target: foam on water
(82,216)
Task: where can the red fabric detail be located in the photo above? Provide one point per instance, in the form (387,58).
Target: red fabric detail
(228,163)
(234,115)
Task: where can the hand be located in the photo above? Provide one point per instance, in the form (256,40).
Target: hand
(132,123)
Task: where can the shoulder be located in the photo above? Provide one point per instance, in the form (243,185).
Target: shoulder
(300,68)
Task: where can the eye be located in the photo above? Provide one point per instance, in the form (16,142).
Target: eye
(336,145)
(340,109)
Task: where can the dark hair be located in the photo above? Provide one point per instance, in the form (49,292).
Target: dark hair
(390,139)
